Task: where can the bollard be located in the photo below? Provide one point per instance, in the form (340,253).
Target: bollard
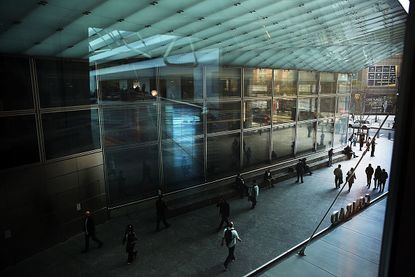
(389,136)
(367,196)
(349,210)
(334,217)
(361,202)
(354,207)
(341,215)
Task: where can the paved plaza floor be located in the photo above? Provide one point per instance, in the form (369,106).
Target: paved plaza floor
(284,216)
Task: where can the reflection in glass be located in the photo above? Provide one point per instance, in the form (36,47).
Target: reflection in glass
(181,83)
(340,131)
(68,133)
(306,133)
(283,142)
(129,125)
(125,83)
(257,113)
(182,162)
(307,82)
(132,173)
(327,83)
(327,106)
(223,82)
(18,141)
(64,83)
(325,134)
(223,116)
(258,82)
(344,84)
(255,147)
(16,90)
(285,82)
(343,103)
(180,120)
(284,110)
(223,155)
(307,108)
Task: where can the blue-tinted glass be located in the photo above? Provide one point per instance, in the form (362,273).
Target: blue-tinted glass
(16,90)
(180,120)
(256,147)
(68,133)
(130,124)
(340,131)
(64,83)
(18,141)
(181,83)
(182,162)
(325,134)
(223,82)
(223,155)
(132,173)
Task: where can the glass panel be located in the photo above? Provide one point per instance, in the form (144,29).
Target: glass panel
(325,134)
(255,147)
(340,132)
(343,103)
(283,142)
(223,82)
(183,162)
(223,116)
(306,137)
(258,82)
(181,121)
(132,173)
(327,83)
(125,83)
(257,113)
(223,155)
(327,106)
(344,83)
(307,108)
(68,133)
(18,141)
(16,90)
(307,83)
(129,125)
(285,82)
(181,83)
(64,83)
(284,110)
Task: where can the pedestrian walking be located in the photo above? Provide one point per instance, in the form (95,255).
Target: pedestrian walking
(361,141)
(368,141)
(369,173)
(299,168)
(240,184)
(268,179)
(330,154)
(130,238)
(230,236)
(372,152)
(224,212)
(253,194)
(338,176)
(89,231)
(351,176)
(161,208)
(376,178)
(382,180)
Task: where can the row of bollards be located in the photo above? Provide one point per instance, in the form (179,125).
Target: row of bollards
(351,209)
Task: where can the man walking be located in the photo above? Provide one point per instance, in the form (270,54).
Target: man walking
(330,153)
(230,236)
(253,194)
(369,173)
(268,179)
(161,212)
(89,230)
(372,152)
(338,176)
(300,171)
(382,180)
(240,184)
(378,175)
(224,211)
(351,176)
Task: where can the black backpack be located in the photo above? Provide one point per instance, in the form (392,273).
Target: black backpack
(228,236)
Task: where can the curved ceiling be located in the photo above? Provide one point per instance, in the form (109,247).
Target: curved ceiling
(323,35)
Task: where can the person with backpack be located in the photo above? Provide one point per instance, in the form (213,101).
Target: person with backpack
(130,238)
(230,236)
(253,194)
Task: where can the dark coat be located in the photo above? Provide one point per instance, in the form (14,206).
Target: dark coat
(224,209)
(161,207)
(369,171)
(378,173)
(89,227)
